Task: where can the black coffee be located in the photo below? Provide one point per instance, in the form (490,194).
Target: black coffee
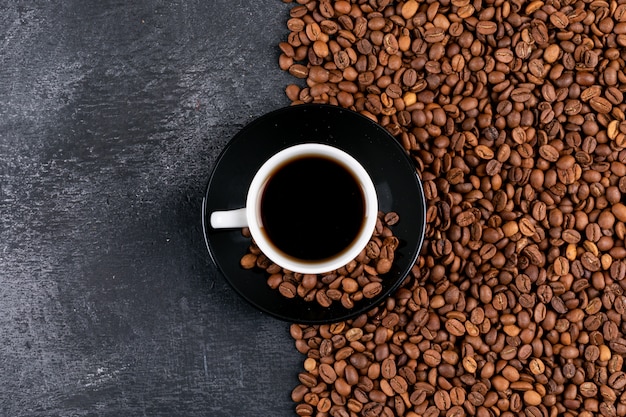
(312,208)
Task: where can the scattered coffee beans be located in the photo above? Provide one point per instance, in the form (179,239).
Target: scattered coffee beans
(361,278)
(513,112)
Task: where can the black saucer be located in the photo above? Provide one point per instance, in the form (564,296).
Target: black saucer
(393,173)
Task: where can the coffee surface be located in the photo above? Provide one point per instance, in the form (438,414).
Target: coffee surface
(312,208)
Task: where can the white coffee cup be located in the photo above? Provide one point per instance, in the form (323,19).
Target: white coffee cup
(250,216)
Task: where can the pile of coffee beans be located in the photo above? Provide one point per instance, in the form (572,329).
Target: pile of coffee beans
(359,279)
(513,112)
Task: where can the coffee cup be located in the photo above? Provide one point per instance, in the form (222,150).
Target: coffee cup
(310,208)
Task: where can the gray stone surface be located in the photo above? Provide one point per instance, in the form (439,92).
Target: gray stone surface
(111,117)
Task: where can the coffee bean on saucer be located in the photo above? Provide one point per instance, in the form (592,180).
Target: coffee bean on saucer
(359,279)
(248,261)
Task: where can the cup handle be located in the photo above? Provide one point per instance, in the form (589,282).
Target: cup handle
(229,219)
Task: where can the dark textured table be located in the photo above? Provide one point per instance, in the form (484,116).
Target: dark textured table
(111,117)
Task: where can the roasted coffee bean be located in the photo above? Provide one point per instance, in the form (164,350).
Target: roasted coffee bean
(601,105)
(513,115)
(328,288)
(372,289)
(391,218)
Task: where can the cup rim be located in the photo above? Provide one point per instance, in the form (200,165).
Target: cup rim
(290,263)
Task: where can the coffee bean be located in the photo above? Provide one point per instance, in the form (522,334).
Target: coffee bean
(455,327)
(590,261)
(617,380)
(469,364)
(326,288)
(618,270)
(513,117)
(614,96)
(484,152)
(391,218)
(372,289)
(287,289)
(549,153)
(434,35)
(559,20)
(619,211)
(442,400)
(486,27)
(465,218)
(327,373)
(431,357)
(299,71)
(532,398)
(304,410)
(601,105)
(520,95)
(248,261)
